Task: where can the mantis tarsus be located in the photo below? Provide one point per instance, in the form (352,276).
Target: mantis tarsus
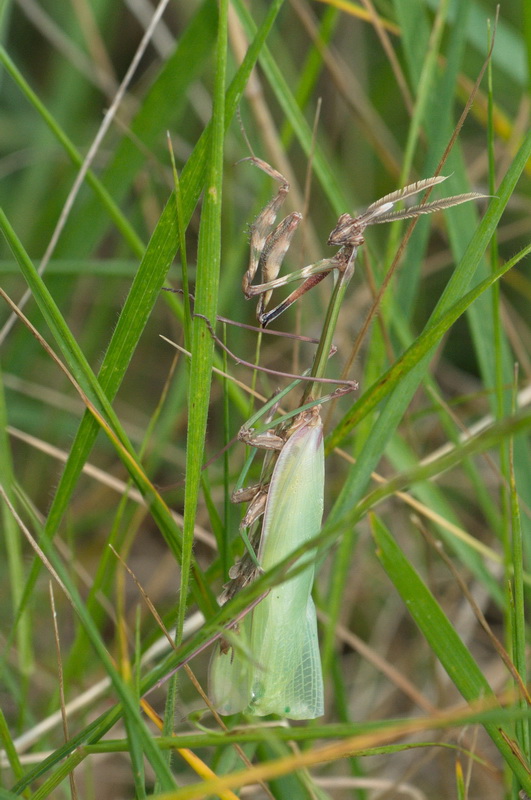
(271,665)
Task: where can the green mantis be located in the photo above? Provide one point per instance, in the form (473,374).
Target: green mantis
(277,669)
(271,663)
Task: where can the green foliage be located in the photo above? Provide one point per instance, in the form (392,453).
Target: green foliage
(440,411)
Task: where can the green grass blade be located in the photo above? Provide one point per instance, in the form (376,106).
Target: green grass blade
(123,691)
(90,385)
(414,355)
(206,296)
(517,606)
(161,110)
(103,195)
(442,639)
(14,549)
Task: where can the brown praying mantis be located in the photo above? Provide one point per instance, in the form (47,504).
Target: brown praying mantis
(269,246)
(271,664)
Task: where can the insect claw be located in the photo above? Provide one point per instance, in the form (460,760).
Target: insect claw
(341,390)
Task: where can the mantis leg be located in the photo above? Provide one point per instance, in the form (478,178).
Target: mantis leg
(262,225)
(268,248)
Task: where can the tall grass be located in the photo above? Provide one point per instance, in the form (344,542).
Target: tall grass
(105,427)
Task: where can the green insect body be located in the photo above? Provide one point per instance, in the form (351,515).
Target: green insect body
(274,667)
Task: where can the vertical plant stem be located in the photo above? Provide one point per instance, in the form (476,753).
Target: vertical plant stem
(206,295)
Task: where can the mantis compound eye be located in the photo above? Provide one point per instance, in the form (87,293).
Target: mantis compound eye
(347,231)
